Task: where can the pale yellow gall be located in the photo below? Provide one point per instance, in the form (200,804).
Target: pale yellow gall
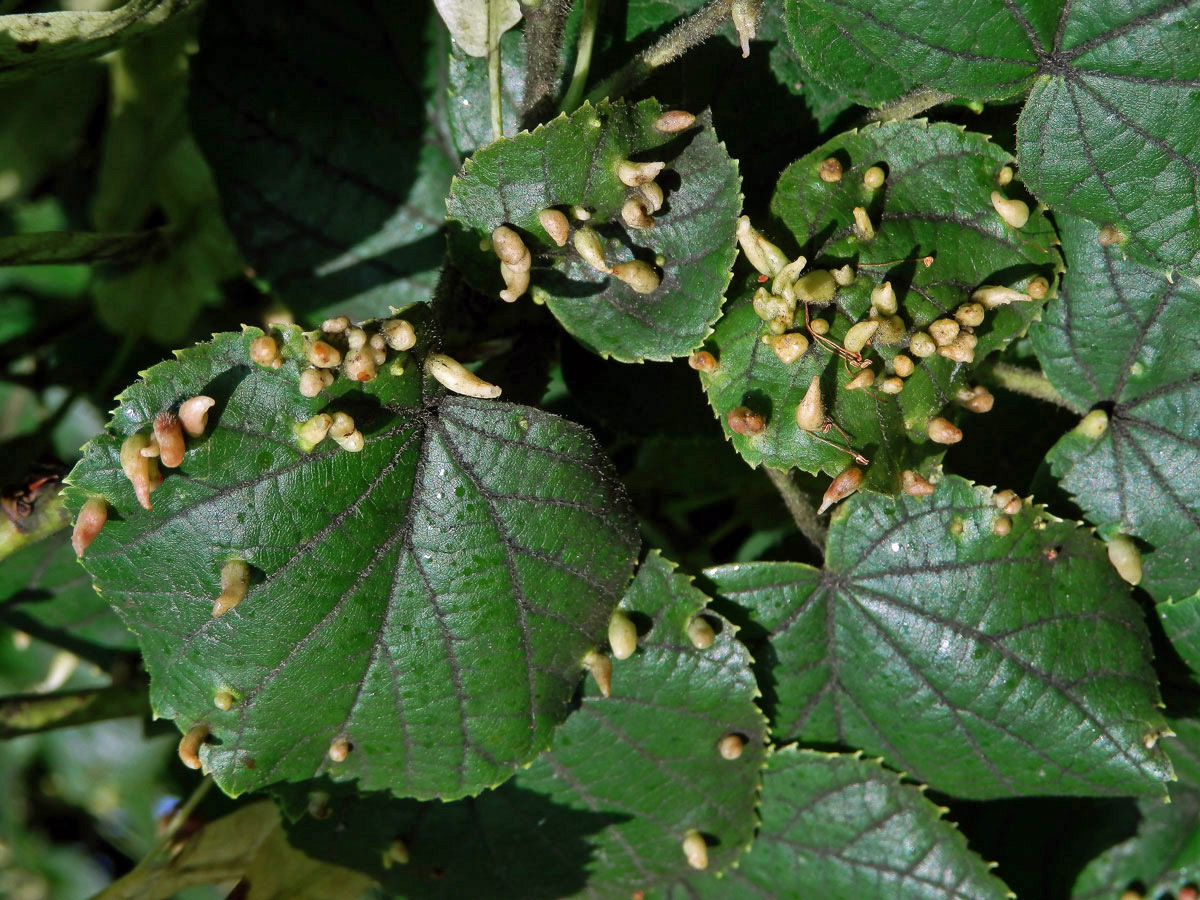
(883,298)
(601,668)
(743,420)
(817,286)
(1002,525)
(396,853)
(844,276)
(142,471)
(223,700)
(88,523)
(189,746)
(764,256)
(700,633)
(265,352)
(874,178)
(862,224)
(1005,176)
(312,382)
(323,355)
(336,325)
(1013,212)
(1038,288)
(730,747)
(913,484)
(635,215)
(638,274)
(632,174)
(810,414)
(941,431)
(555,224)
(675,121)
(169,433)
(922,345)
(399,334)
(1126,558)
(703,361)
(977,399)
(845,484)
(695,850)
(235,584)
(893,384)
(903,365)
(509,246)
(943,331)
(993,295)
(622,635)
(859,334)
(454,376)
(830,170)
(864,379)
(193,414)
(359,365)
(1110,235)
(819,326)
(789,347)
(1093,425)
(969,315)
(339,749)
(589,245)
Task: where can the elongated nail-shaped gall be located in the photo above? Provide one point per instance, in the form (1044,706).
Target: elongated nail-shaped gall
(842,486)
(453,375)
(88,523)
(622,635)
(189,745)
(601,668)
(193,413)
(235,583)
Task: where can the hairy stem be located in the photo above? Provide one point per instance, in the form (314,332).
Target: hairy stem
(543,58)
(583,56)
(1027,382)
(493,56)
(911,104)
(798,505)
(33,713)
(671,46)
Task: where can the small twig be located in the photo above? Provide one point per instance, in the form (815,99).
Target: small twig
(798,505)
(493,57)
(583,56)
(671,46)
(33,713)
(1027,382)
(911,104)
(543,58)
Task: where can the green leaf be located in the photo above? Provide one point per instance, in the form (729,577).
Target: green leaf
(428,599)
(604,811)
(53,248)
(935,202)
(1122,338)
(936,642)
(1164,855)
(331,181)
(841,827)
(829,51)
(1106,130)
(40,43)
(1181,620)
(572,162)
(467,105)
(44,592)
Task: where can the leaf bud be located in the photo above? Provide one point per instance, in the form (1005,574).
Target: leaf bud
(941,431)
(703,361)
(622,635)
(841,487)
(922,345)
(883,298)
(88,523)
(743,420)
(591,248)
(859,334)
(638,274)
(189,746)
(235,583)
(695,850)
(810,414)
(454,376)
(601,668)
(632,174)
(969,315)
(700,633)
(830,170)
(675,121)
(993,295)
(1126,558)
(193,413)
(768,259)
(555,224)
(1013,212)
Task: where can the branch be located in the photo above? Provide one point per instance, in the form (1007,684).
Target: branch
(674,44)
(1027,382)
(798,505)
(34,713)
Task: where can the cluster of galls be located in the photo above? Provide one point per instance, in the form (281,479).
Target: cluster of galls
(644,198)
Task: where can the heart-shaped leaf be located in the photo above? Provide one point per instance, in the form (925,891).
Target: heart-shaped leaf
(427,599)
(841,827)
(330,179)
(934,204)
(933,636)
(573,163)
(604,812)
(1123,338)
(1107,131)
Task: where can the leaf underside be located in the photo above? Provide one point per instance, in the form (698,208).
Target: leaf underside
(427,599)
(1123,338)
(933,641)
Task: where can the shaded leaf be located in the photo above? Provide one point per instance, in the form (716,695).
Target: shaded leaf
(467,105)
(1123,338)
(932,640)
(1102,134)
(428,599)
(45,592)
(52,248)
(934,203)
(1181,620)
(573,162)
(246,844)
(39,43)
(604,811)
(326,175)
(842,827)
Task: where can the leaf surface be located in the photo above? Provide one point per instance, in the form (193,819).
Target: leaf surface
(1107,129)
(935,202)
(330,179)
(573,162)
(1181,620)
(932,640)
(53,248)
(604,811)
(842,827)
(1123,338)
(427,599)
